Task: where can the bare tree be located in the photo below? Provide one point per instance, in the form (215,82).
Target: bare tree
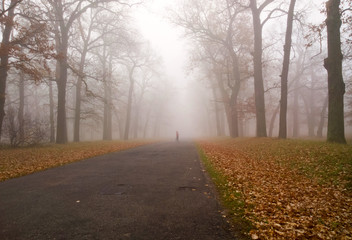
(285,69)
(136,58)
(217,27)
(258,64)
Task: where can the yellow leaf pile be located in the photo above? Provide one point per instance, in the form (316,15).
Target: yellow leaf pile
(284,192)
(22,161)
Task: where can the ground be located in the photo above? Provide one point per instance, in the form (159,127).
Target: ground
(157,191)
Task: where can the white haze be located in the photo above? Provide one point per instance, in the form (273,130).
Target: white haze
(169,43)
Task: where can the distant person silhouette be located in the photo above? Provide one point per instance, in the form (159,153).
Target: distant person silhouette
(177,136)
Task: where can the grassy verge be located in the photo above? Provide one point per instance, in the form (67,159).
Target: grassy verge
(291,189)
(23,161)
(231,199)
(323,162)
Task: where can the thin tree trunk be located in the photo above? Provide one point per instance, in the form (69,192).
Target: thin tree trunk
(273,119)
(322,118)
(4,58)
(311,122)
(226,101)
(51,106)
(234,93)
(21,110)
(107,133)
(129,104)
(76,128)
(146,124)
(258,71)
(333,64)
(285,70)
(136,122)
(217,112)
(109,121)
(295,111)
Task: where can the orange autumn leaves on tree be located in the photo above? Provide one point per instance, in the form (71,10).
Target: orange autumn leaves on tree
(279,199)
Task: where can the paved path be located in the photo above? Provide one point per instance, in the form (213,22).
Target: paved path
(153,192)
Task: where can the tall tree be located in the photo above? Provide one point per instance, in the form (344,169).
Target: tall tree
(218,34)
(285,69)
(66,14)
(258,65)
(24,45)
(138,56)
(333,64)
(7,16)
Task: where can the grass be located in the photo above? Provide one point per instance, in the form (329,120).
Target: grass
(230,199)
(324,162)
(22,161)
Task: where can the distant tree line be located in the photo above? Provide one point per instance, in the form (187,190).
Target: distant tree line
(77,70)
(264,64)
(80,70)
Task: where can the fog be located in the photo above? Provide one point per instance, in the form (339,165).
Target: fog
(132,70)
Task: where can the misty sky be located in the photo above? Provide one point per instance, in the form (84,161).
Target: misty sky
(168,42)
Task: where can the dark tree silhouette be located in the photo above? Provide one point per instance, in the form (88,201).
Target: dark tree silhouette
(333,64)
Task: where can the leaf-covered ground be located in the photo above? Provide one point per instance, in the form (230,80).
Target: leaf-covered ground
(22,161)
(291,189)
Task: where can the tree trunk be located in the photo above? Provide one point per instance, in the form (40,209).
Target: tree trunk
(4,58)
(76,128)
(20,115)
(61,130)
(295,111)
(129,104)
(285,70)
(234,93)
(309,114)
(258,71)
(107,131)
(52,121)
(145,130)
(273,119)
(217,112)
(333,64)
(136,122)
(322,119)
(228,107)
(311,106)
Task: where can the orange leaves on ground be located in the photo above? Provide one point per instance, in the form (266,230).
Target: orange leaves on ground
(22,161)
(281,201)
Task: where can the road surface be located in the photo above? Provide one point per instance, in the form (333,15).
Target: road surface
(158,191)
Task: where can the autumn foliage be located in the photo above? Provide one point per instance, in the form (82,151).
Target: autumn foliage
(22,161)
(291,189)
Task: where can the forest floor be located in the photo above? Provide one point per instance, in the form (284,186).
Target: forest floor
(16,162)
(283,189)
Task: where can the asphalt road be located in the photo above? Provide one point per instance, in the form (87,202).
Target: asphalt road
(159,191)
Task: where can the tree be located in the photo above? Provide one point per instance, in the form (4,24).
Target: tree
(333,64)
(224,45)
(65,14)
(285,69)
(24,46)
(138,56)
(5,51)
(258,65)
